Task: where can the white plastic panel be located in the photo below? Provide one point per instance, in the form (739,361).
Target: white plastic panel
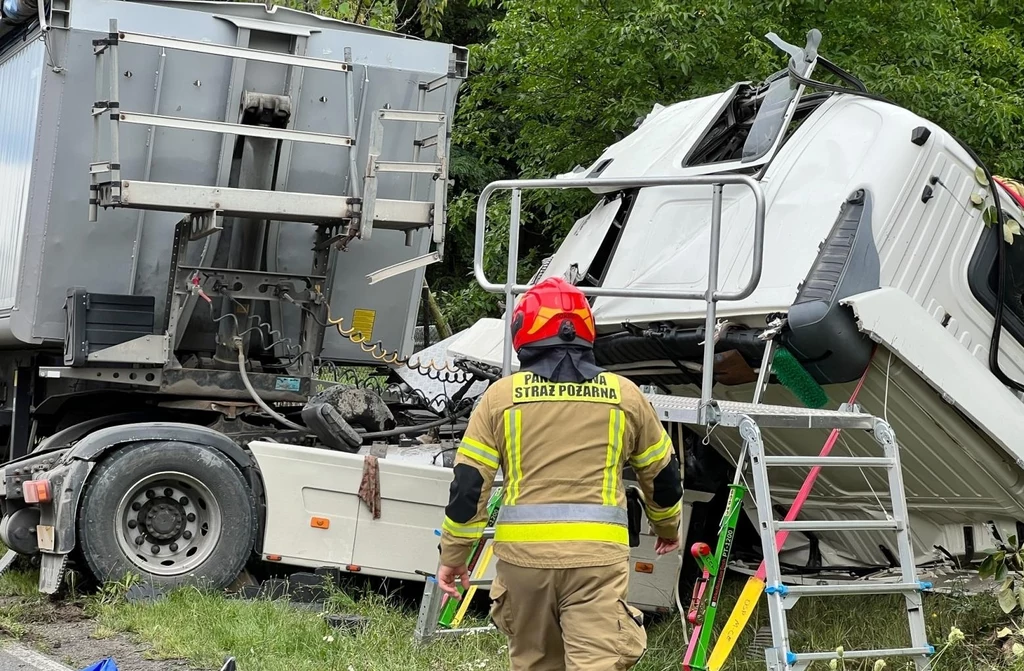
(928,249)
(667,134)
(930,389)
(582,242)
(20,77)
(302,483)
(482,342)
(905,327)
(402,540)
(665,246)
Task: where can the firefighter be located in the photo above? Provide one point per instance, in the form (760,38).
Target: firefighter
(561,430)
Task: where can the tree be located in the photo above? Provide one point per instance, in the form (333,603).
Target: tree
(378,13)
(556,81)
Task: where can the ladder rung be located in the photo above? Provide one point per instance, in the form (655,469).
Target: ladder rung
(859,654)
(229,202)
(852,588)
(401,214)
(419,116)
(839,525)
(867,462)
(408,166)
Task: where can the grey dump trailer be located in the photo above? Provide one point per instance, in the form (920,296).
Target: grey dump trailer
(207,208)
(195,193)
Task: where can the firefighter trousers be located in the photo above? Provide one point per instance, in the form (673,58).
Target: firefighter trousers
(575,619)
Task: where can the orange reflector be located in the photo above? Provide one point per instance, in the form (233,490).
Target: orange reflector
(354,568)
(320,523)
(36,491)
(273,557)
(644,567)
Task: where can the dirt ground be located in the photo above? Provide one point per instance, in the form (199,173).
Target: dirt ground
(63,632)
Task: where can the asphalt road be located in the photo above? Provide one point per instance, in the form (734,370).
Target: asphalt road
(16,657)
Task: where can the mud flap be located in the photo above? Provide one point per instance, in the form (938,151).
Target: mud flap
(51,572)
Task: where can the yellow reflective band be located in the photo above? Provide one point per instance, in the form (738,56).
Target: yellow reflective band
(659,515)
(561,531)
(514,447)
(530,388)
(477,451)
(463,530)
(653,453)
(610,485)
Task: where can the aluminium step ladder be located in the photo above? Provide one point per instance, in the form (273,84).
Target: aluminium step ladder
(750,419)
(427,619)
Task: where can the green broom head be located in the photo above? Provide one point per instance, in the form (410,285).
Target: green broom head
(794,377)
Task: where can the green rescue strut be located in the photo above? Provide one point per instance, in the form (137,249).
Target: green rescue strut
(449,606)
(704,605)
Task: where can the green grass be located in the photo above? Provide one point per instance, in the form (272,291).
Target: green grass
(267,636)
(23,584)
(205,628)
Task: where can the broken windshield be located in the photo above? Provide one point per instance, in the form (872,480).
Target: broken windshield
(753,122)
(770,119)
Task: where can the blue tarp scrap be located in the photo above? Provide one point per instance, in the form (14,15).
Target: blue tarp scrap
(102,665)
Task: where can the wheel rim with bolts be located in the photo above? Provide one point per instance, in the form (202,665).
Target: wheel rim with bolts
(168,523)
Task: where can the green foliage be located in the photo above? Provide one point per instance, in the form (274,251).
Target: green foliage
(556,81)
(377,13)
(1005,565)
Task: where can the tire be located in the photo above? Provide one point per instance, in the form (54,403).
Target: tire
(166,493)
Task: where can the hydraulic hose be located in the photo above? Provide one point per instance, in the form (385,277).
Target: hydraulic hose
(416,427)
(256,397)
(679,602)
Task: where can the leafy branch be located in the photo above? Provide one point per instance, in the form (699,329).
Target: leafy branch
(1005,565)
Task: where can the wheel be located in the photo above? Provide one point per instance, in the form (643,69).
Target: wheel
(173,513)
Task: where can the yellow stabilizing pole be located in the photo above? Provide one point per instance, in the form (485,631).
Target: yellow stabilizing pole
(738,619)
(482,566)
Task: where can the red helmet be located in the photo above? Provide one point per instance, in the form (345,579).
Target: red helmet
(552,312)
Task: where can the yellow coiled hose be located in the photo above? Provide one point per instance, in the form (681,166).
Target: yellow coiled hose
(378,352)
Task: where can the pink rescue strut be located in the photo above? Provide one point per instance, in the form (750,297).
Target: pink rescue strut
(805,490)
(798,502)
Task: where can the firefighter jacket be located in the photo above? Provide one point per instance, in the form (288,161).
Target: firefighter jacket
(561,449)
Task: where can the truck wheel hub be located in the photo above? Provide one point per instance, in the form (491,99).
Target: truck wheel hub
(170,523)
(164,520)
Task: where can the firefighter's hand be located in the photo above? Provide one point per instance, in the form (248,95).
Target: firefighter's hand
(663,546)
(446,577)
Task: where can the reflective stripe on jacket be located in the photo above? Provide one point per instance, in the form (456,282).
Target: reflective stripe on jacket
(561,448)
